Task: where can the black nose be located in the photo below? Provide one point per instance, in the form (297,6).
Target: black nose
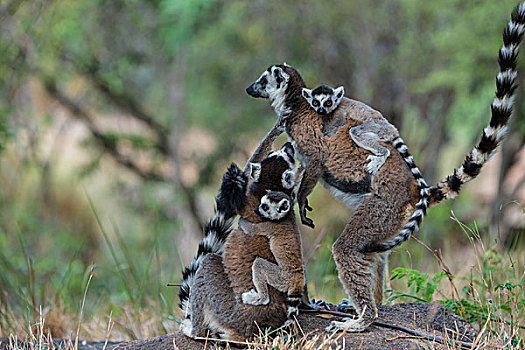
(257,211)
(321,111)
(251,90)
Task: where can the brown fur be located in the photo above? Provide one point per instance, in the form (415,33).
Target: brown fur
(216,294)
(381,210)
(286,247)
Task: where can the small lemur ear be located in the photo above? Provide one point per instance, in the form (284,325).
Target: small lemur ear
(255,171)
(286,64)
(284,205)
(307,94)
(288,149)
(288,178)
(339,92)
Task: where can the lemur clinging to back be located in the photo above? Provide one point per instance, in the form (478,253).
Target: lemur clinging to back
(360,252)
(287,274)
(332,107)
(212,300)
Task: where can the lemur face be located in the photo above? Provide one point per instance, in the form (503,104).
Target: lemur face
(274,206)
(271,84)
(324,99)
(281,163)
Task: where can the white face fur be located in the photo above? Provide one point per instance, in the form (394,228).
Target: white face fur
(271,84)
(274,206)
(324,99)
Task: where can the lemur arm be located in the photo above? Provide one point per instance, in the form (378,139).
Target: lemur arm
(261,229)
(265,146)
(312,174)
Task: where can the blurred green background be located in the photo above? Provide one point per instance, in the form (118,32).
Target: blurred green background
(118,119)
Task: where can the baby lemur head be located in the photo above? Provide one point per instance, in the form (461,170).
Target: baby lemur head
(324,99)
(274,206)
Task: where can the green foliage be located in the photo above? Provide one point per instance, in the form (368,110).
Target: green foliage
(490,296)
(421,287)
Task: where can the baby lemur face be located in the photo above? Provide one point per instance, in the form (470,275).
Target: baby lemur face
(274,206)
(324,99)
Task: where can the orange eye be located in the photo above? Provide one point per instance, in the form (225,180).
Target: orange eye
(315,103)
(328,104)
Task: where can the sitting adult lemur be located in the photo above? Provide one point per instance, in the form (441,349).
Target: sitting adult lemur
(390,206)
(212,304)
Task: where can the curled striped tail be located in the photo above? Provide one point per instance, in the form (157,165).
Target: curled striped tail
(414,222)
(231,197)
(501,109)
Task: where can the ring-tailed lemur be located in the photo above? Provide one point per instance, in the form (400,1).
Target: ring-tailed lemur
(212,303)
(287,274)
(334,109)
(230,198)
(379,216)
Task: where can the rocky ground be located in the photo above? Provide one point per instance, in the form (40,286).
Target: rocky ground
(400,326)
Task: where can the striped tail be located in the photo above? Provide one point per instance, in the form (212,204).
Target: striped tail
(501,109)
(413,223)
(231,197)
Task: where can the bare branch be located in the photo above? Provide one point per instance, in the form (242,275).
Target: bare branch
(103,140)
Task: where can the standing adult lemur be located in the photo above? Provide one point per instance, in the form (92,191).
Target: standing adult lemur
(214,284)
(382,204)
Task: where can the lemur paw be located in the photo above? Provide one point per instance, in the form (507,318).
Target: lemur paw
(346,306)
(291,312)
(348,325)
(186,327)
(320,304)
(376,162)
(252,298)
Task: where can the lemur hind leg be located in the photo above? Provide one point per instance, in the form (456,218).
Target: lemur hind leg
(361,273)
(264,273)
(211,300)
(381,265)
(367,136)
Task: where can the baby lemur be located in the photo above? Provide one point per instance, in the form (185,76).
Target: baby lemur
(287,275)
(214,306)
(378,223)
(333,107)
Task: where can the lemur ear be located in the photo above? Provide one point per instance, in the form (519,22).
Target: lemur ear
(288,149)
(255,171)
(307,94)
(279,75)
(288,178)
(284,205)
(286,64)
(339,92)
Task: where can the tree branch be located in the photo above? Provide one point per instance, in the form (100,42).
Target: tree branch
(107,143)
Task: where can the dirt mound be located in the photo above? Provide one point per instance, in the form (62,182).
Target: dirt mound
(400,326)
